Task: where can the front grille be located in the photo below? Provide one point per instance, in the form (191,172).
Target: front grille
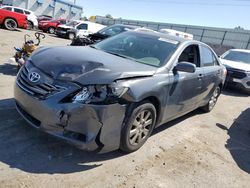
(40,90)
(235,73)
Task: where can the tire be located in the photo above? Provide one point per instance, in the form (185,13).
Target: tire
(212,101)
(30,25)
(138,127)
(10,24)
(51,30)
(71,36)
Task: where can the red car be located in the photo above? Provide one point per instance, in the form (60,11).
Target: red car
(50,25)
(12,20)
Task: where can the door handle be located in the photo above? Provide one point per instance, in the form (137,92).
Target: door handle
(200,76)
(218,72)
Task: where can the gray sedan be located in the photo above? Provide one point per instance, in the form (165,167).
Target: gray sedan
(112,94)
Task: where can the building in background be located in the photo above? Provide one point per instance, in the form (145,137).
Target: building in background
(54,8)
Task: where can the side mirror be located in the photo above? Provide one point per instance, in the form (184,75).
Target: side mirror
(185,67)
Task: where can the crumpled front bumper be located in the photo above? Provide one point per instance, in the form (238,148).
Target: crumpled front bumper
(89,127)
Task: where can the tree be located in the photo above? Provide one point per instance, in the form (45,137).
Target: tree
(239,28)
(109,16)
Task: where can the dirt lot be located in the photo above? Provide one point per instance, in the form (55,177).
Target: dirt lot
(198,150)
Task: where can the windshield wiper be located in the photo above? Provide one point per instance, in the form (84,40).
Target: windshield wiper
(120,55)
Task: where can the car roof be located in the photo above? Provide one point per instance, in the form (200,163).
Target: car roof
(162,35)
(240,50)
(17,7)
(123,25)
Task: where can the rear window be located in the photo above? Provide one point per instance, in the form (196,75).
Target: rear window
(27,12)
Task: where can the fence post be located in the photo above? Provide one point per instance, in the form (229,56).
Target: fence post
(223,38)
(248,43)
(202,34)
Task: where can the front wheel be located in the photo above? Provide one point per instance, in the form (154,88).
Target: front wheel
(51,30)
(138,127)
(10,24)
(71,36)
(212,101)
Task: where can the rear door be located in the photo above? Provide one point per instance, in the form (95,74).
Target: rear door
(185,90)
(212,71)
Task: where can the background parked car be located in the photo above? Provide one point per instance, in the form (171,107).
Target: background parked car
(71,29)
(44,18)
(237,62)
(104,33)
(32,18)
(50,25)
(12,20)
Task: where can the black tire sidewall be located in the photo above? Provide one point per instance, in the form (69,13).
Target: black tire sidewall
(31,26)
(8,27)
(125,143)
(206,108)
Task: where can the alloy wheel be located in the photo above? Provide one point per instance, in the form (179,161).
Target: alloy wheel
(140,127)
(214,98)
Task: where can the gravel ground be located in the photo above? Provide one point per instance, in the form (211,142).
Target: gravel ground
(197,150)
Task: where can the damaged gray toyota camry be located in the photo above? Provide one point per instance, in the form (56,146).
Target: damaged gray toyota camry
(112,94)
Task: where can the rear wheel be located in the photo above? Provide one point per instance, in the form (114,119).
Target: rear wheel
(51,30)
(30,25)
(138,127)
(212,101)
(10,24)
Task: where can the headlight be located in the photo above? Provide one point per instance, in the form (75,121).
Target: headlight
(99,93)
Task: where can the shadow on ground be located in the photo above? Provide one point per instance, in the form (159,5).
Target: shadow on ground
(234,92)
(30,150)
(239,142)
(8,69)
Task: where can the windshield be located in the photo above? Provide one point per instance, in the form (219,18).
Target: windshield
(243,57)
(142,48)
(72,23)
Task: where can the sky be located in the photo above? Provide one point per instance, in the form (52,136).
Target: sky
(214,13)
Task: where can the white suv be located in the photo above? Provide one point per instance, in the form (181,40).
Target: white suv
(32,18)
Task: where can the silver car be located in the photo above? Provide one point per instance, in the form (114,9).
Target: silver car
(237,62)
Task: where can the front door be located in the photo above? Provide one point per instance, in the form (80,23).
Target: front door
(185,88)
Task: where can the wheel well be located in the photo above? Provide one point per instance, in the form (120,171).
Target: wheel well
(10,18)
(221,86)
(156,104)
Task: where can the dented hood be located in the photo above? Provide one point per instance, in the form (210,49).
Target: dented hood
(86,65)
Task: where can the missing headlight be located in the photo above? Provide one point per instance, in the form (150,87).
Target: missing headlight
(98,94)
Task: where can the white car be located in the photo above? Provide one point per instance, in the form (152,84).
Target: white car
(237,62)
(177,33)
(78,28)
(32,18)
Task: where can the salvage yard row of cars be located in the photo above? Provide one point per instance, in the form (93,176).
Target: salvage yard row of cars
(103,95)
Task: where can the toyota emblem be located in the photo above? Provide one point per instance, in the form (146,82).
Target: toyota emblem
(34,77)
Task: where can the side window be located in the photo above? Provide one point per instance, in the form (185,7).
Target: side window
(26,12)
(191,54)
(208,58)
(18,10)
(83,26)
(7,8)
(62,21)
